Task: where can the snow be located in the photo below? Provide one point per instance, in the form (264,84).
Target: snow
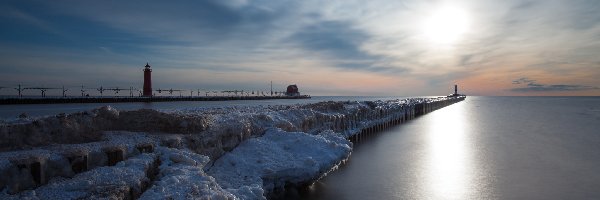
(116,182)
(217,153)
(265,164)
(181,177)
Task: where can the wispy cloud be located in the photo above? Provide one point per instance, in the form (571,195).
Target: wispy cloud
(533,86)
(379,41)
(338,42)
(16,14)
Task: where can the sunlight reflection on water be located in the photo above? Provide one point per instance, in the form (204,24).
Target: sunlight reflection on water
(448,162)
(481,148)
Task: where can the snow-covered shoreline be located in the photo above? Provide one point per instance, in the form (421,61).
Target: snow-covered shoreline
(220,153)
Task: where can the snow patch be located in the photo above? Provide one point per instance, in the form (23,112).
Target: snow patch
(264,165)
(181,177)
(124,180)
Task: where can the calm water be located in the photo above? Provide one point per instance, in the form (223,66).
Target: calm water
(481,148)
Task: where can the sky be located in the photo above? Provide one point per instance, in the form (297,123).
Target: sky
(334,47)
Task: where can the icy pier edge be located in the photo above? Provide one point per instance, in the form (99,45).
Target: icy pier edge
(240,153)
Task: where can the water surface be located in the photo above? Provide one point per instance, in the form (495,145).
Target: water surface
(481,148)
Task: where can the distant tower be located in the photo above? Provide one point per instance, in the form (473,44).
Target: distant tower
(147,81)
(455,89)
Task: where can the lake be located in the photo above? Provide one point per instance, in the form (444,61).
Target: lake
(480,148)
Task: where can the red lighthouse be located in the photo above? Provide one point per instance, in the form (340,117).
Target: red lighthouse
(147,81)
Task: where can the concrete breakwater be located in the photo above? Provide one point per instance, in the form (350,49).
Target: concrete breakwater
(389,118)
(268,147)
(61,100)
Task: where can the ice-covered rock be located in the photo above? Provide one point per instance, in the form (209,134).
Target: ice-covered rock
(125,180)
(212,131)
(247,152)
(265,165)
(181,177)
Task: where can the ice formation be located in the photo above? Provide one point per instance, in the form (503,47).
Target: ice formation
(216,153)
(267,164)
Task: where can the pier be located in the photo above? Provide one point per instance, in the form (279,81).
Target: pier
(84,154)
(383,119)
(147,94)
(62,100)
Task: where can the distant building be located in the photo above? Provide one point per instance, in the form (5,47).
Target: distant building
(455,94)
(292,90)
(147,92)
(455,89)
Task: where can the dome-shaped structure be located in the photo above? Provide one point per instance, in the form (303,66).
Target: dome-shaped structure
(292,90)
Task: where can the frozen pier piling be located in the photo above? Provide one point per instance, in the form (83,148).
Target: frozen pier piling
(215,153)
(391,115)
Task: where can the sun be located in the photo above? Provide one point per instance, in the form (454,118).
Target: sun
(446,25)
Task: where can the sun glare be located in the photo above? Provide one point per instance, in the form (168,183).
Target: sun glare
(449,164)
(446,25)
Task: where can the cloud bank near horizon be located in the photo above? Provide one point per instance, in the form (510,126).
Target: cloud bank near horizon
(533,86)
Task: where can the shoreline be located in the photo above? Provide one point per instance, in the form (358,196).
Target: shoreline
(268,148)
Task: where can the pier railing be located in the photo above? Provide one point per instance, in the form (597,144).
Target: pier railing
(61,100)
